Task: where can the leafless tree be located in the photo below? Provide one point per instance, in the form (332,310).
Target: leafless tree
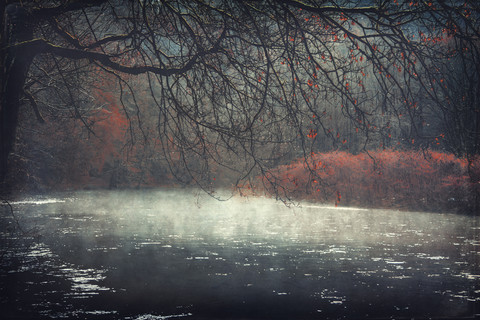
(245,85)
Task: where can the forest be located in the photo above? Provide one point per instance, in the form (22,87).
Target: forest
(352,103)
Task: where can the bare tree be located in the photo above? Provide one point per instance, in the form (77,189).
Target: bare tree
(245,85)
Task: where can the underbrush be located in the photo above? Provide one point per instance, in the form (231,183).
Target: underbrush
(428,181)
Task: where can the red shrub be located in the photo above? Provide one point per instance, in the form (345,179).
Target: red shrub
(411,180)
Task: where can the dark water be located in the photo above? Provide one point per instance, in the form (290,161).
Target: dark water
(167,254)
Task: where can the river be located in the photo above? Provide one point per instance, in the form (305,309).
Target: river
(168,254)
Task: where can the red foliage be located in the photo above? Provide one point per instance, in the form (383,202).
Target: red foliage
(411,180)
(110,127)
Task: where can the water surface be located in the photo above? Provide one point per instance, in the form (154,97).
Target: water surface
(181,254)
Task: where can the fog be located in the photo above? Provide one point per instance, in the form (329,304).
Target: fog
(157,254)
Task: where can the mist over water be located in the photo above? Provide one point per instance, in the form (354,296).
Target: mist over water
(161,254)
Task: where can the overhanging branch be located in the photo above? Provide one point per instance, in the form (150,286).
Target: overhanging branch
(67,6)
(42,46)
(76,43)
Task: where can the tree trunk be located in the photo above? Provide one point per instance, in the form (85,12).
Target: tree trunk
(3,44)
(15,65)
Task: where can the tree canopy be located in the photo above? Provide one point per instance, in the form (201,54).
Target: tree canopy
(248,85)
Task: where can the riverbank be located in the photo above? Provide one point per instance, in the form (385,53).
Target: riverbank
(403,180)
(407,180)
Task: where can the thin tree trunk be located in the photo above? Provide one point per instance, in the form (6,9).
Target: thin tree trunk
(3,45)
(15,65)
(14,81)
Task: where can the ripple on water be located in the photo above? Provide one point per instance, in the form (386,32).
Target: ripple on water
(38,201)
(158,317)
(314,247)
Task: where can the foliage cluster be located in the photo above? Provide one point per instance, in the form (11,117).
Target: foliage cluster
(412,180)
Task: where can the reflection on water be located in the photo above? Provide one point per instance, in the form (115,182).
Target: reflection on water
(164,254)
